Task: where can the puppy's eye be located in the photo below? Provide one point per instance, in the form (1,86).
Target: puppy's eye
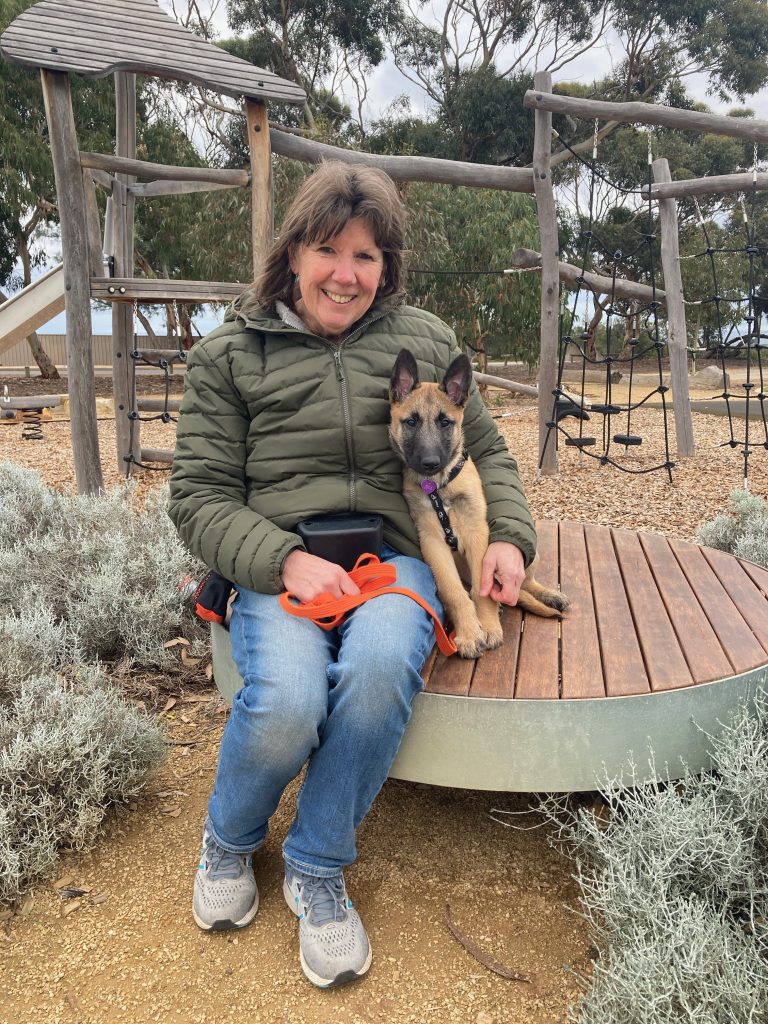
(412,420)
(444,421)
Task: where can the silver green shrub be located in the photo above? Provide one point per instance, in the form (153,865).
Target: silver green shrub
(743,532)
(69,748)
(98,574)
(674,884)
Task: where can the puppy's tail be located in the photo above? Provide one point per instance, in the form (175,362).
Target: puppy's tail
(538,600)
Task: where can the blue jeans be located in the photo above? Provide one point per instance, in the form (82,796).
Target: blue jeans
(339,700)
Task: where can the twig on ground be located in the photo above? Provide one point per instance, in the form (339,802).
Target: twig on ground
(478,954)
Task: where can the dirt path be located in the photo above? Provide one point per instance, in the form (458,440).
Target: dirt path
(139,957)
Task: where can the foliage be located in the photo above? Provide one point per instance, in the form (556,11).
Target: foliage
(70,747)
(743,532)
(100,577)
(464,229)
(674,882)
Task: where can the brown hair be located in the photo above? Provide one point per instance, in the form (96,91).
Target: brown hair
(327,201)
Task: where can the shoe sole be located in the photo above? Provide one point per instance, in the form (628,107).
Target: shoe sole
(226,925)
(341,979)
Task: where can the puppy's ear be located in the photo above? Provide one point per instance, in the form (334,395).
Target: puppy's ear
(457,379)
(405,376)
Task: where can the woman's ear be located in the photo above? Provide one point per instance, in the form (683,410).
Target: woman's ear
(292,258)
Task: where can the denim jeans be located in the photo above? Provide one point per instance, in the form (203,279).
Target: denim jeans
(339,700)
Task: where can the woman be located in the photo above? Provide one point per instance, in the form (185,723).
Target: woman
(285,417)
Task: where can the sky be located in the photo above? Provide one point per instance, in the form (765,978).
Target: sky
(386,83)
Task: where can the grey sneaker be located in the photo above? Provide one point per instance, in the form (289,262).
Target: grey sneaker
(333,946)
(225,894)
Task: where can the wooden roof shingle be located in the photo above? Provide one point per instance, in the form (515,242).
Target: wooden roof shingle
(95,38)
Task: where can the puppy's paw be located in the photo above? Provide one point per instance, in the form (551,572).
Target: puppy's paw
(554,599)
(493,638)
(470,640)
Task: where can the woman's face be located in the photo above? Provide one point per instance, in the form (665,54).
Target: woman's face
(338,278)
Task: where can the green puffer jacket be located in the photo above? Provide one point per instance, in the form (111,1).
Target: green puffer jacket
(277,425)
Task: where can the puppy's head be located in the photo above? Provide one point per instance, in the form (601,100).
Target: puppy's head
(425,422)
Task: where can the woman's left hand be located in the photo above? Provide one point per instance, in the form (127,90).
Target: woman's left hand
(502,573)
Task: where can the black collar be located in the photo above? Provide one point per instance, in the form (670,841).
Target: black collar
(431,490)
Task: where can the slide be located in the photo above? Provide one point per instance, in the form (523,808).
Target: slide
(32,307)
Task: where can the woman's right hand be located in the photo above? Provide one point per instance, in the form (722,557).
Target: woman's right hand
(307,576)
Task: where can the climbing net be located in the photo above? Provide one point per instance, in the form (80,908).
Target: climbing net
(728,340)
(631,334)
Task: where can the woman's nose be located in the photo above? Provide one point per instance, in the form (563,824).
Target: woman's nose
(344,271)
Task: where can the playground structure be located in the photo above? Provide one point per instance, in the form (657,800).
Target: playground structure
(663,639)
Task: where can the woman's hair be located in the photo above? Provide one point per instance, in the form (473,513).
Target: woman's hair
(327,201)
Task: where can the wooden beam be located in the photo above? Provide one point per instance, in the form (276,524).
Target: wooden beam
(524,389)
(718,183)
(550,277)
(165,172)
(127,433)
(649,113)
(158,404)
(677,340)
(93,226)
(74,244)
(262,210)
(29,402)
(175,188)
(156,455)
(408,168)
(529,259)
(159,291)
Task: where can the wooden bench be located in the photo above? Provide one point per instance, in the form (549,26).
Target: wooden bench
(662,641)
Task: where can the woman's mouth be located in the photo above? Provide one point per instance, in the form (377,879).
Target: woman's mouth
(340,300)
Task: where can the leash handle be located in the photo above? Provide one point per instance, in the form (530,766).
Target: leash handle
(374,578)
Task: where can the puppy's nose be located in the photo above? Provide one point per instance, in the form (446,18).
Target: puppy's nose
(430,466)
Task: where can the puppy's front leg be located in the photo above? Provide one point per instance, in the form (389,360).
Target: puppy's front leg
(470,634)
(488,611)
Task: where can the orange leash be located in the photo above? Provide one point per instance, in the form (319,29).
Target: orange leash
(374,578)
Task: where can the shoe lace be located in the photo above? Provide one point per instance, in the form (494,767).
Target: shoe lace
(325,899)
(223,864)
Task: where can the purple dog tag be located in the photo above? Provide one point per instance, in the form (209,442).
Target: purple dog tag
(428,486)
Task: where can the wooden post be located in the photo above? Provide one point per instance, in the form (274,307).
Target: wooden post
(96,261)
(677,342)
(550,276)
(122,312)
(262,211)
(70,199)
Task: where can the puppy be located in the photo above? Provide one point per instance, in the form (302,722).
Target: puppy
(445,497)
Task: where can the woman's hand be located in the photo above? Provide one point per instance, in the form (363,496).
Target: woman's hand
(307,576)
(502,573)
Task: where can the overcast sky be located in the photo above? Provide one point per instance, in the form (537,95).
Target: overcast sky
(386,83)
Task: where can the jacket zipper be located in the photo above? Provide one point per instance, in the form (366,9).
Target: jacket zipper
(347,426)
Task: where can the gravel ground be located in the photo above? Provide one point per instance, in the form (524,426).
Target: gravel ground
(136,956)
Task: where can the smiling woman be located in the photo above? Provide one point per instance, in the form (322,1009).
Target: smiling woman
(285,419)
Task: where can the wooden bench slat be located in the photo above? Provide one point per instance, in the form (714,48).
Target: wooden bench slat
(623,664)
(742,590)
(743,650)
(582,668)
(757,574)
(451,676)
(538,662)
(496,670)
(698,641)
(666,666)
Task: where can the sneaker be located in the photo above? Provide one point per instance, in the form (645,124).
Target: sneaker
(333,946)
(225,894)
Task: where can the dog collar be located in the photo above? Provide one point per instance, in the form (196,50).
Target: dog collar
(430,488)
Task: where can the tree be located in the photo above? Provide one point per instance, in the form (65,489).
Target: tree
(462,233)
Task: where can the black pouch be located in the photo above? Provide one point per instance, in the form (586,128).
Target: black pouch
(342,538)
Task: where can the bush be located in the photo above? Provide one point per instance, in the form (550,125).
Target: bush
(674,883)
(743,533)
(68,750)
(100,577)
